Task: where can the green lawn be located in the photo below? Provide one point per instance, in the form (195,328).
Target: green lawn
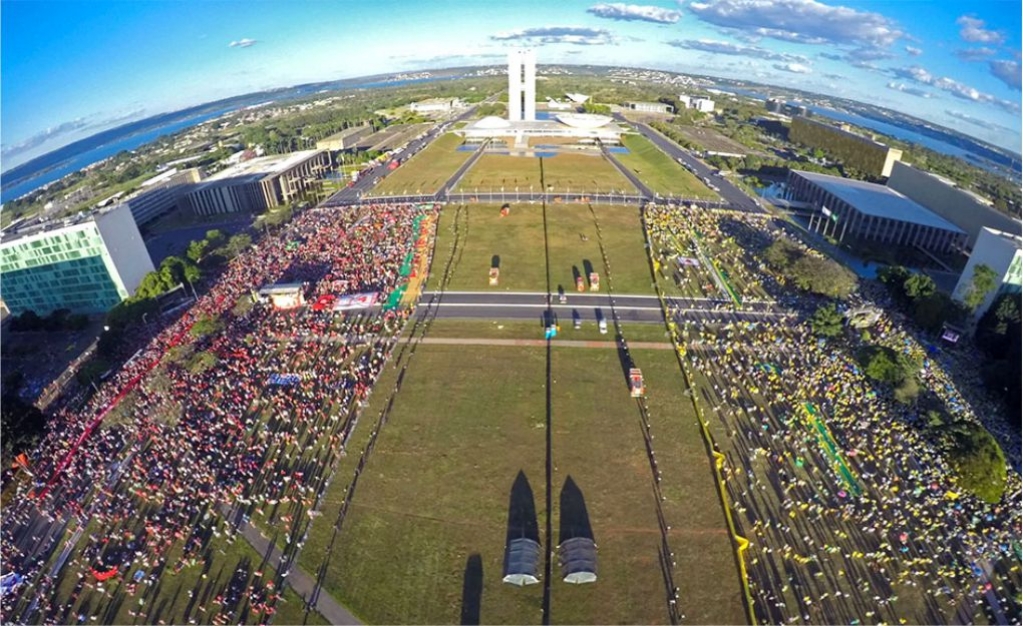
(427,171)
(435,492)
(561,173)
(507,329)
(662,174)
(598,442)
(515,243)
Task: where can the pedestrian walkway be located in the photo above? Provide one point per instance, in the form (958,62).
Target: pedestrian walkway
(303,584)
(448,341)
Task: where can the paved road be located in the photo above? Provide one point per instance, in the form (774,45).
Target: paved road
(175,242)
(729,192)
(303,584)
(588,308)
(564,343)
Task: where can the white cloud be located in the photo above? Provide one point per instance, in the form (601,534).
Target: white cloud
(635,12)
(1007,71)
(725,47)
(795,68)
(975,54)
(954,87)
(869,54)
(973,31)
(913,52)
(976,121)
(575,35)
(243,43)
(803,21)
(913,91)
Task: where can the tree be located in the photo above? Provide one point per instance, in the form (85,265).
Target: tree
(881,364)
(237,244)
(201,361)
(206,325)
(932,312)
(21,426)
(823,276)
(214,237)
(918,286)
(998,326)
(826,321)
(978,461)
(894,277)
(197,249)
(192,274)
(782,253)
(984,280)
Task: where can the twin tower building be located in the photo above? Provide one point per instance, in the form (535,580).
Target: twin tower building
(521,86)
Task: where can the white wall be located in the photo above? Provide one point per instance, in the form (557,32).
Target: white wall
(127,258)
(994,251)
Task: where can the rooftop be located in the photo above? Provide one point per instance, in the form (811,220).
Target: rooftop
(1012,238)
(877,200)
(258,168)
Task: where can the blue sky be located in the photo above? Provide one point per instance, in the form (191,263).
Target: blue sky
(71,69)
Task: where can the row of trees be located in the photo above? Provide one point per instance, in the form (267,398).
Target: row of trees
(1000,337)
(918,296)
(22,425)
(812,273)
(57,321)
(203,255)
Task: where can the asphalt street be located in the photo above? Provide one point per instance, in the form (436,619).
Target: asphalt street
(728,192)
(588,308)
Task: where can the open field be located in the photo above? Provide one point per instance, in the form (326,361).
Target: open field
(515,244)
(562,173)
(426,171)
(436,490)
(713,141)
(659,171)
(463,426)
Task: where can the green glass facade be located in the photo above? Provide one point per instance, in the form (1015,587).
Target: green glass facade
(65,269)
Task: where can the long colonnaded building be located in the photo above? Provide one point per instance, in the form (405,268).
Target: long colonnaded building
(161,194)
(259,184)
(869,156)
(871,213)
(87,263)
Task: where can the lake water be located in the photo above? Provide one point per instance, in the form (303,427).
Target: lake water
(99,153)
(898,132)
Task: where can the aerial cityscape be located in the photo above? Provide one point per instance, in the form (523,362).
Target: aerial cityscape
(690,312)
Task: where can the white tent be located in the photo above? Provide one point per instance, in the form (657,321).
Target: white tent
(578,559)
(520,562)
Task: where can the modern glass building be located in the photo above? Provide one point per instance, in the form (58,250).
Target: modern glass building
(87,265)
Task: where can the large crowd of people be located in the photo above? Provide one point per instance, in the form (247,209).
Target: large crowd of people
(254,429)
(874,530)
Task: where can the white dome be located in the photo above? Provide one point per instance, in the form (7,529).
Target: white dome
(492,121)
(582,120)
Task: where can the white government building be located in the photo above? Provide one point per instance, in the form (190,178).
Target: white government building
(522,122)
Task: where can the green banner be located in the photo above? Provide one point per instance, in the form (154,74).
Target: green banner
(831,448)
